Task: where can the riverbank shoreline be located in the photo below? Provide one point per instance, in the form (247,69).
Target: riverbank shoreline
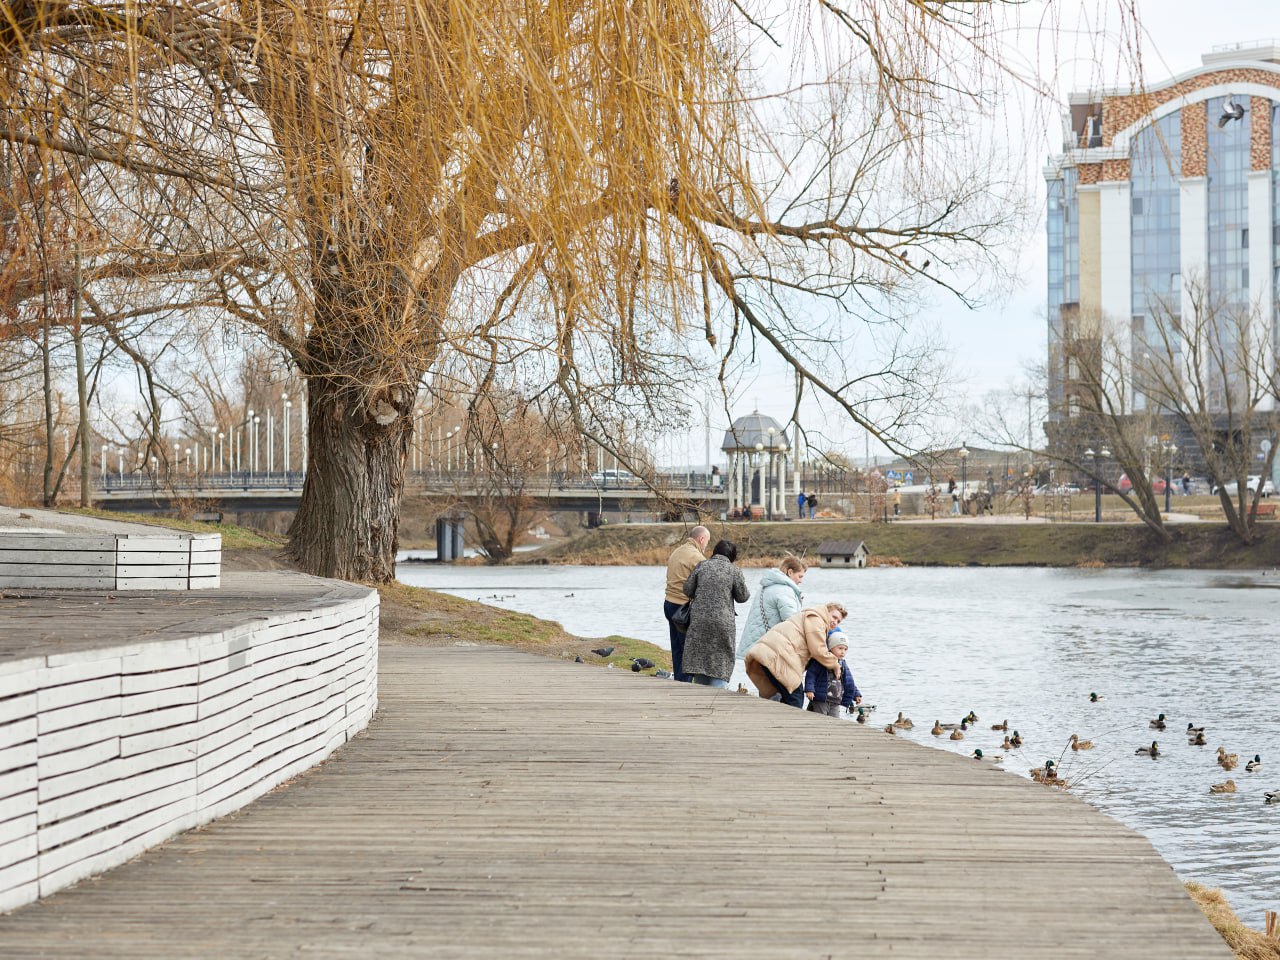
(939,544)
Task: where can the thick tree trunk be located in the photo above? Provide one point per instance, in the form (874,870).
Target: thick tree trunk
(347,521)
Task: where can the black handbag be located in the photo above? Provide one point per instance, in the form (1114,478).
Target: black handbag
(681,617)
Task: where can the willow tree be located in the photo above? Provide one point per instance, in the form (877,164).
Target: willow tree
(595,192)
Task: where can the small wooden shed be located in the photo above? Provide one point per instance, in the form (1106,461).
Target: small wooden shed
(843,553)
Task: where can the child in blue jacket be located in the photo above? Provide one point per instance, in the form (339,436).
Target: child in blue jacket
(826,691)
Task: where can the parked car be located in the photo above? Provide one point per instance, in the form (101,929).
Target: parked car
(1251,485)
(1157,485)
(614,478)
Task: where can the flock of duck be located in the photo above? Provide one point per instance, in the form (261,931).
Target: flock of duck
(1048,773)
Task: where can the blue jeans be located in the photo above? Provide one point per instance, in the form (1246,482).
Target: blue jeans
(704,681)
(677,642)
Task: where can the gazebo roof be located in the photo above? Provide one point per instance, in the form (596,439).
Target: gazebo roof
(747,431)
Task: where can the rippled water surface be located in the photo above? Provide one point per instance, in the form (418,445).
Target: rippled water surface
(1030,645)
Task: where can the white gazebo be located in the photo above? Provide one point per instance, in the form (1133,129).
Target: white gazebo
(757,449)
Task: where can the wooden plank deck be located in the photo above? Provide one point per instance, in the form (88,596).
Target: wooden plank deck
(503,805)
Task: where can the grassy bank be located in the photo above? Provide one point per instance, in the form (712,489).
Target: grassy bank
(233,537)
(938,544)
(1245,942)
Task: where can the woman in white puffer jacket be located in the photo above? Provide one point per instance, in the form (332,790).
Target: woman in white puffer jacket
(778,599)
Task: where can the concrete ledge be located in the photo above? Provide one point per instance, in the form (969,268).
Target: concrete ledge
(111,746)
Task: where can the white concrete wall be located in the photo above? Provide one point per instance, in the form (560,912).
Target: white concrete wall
(104,753)
(163,561)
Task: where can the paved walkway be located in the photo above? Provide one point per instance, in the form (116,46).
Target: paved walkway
(507,806)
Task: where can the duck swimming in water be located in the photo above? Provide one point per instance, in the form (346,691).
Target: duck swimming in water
(1002,725)
(1255,764)
(1096,697)
(937,729)
(1157,723)
(1228,761)
(1228,787)
(1078,744)
(1152,751)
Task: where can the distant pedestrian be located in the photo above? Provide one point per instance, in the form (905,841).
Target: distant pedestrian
(1186,484)
(800,503)
(679,565)
(955,503)
(713,587)
(897,502)
(812,501)
(776,664)
(831,690)
(777,598)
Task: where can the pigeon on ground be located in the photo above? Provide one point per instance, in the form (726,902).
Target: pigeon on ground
(578,660)
(642,663)
(663,674)
(603,651)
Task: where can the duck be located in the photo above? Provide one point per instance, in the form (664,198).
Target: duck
(1272,796)
(1043,774)
(1228,787)
(888,728)
(937,729)
(956,735)
(971,717)
(1197,739)
(1016,740)
(1006,745)
(1152,751)
(1193,730)
(979,755)
(964,724)
(1157,723)
(862,715)
(1096,697)
(1002,725)
(1078,744)
(1227,761)
(903,723)
(948,726)
(1254,764)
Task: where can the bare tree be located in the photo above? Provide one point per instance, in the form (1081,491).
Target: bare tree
(598,196)
(1209,365)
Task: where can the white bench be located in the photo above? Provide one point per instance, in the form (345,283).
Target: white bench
(166,560)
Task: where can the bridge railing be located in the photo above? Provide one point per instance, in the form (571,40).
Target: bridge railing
(682,482)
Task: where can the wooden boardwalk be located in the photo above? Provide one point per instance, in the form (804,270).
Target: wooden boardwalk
(506,806)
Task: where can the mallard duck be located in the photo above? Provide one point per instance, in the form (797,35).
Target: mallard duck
(1078,744)
(1197,739)
(956,735)
(1048,772)
(1096,697)
(1006,745)
(937,729)
(964,725)
(972,717)
(1228,787)
(1254,764)
(1002,725)
(1016,740)
(1272,796)
(1152,751)
(1193,730)
(903,723)
(888,728)
(1157,723)
(1228,761)
(979,755)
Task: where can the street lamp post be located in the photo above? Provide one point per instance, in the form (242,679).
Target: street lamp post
(288,405)
(764,479)
(1170,449)
(769,466)
(964,479)
(1097,480)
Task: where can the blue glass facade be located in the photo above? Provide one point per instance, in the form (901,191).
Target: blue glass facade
(1154,238)
(1227,169)
(1055,224)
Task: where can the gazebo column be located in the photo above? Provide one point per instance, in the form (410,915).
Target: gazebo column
(731,481)
(780,488)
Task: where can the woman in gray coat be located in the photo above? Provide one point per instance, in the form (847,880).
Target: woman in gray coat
(712,589)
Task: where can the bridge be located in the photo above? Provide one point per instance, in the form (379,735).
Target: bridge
(243,491)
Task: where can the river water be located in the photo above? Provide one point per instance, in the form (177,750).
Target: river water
(1029,645)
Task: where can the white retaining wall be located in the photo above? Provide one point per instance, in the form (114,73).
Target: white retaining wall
(104,753)
(163,561)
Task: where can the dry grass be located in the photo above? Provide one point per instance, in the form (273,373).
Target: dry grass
(233,537)
(1245,942)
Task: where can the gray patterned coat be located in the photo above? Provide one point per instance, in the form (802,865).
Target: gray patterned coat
(709,647)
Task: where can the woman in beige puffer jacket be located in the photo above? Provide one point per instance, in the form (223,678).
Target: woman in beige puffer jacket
(776,663)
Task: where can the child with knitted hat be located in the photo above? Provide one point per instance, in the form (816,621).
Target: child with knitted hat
(829,690)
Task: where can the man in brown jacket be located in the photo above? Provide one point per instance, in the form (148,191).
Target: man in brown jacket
(679,565)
